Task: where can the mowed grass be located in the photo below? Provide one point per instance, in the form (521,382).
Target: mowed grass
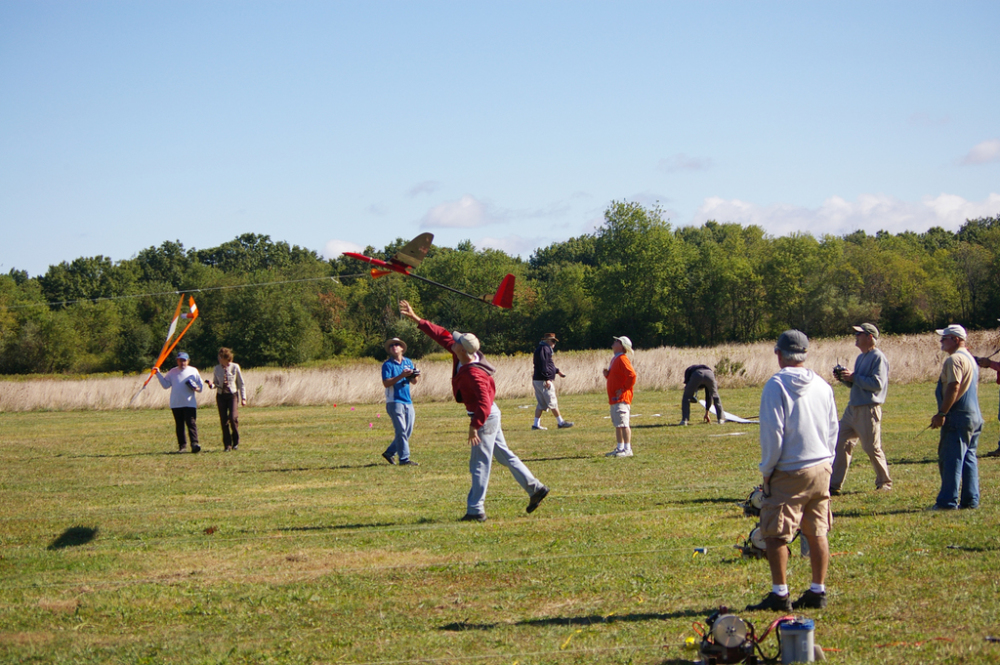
(305,547)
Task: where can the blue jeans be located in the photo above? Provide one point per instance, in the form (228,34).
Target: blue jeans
(492,444)
(402,416)
(959,467)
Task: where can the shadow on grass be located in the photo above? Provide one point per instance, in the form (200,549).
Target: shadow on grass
(966,548)
(555,459)
(926,460)
(314,468)
(113,455)
(589,620)
(876,512)
(73,537)
(337,527)
(726,500)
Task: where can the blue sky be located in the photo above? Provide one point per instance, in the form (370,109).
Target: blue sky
(335,125)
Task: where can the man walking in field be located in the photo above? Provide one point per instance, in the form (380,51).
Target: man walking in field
(697,377)
(862,419)
(960,422)
(472,385)
(621,380)
(798,436)
(544,382)
(398,374)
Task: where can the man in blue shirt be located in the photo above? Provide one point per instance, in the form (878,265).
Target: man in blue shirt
(397,375)
(862,419)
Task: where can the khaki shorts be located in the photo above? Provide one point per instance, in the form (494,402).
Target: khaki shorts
(620,413)
(546,397)
(798,499)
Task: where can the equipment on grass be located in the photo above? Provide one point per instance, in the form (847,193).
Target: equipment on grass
(751,506)
(755,546)
(414,252)
(726,638)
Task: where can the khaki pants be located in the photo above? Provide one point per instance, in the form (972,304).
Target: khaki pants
(864,424)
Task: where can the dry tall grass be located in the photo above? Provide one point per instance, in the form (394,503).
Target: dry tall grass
(912,358)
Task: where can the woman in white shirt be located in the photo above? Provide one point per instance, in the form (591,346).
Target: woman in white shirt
(183,382)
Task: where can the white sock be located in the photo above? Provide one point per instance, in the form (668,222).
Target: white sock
(817,588)
(560,420)
(780,589)
(538,422)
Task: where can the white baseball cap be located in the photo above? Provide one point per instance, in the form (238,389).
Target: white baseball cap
(954,330)
(626,342)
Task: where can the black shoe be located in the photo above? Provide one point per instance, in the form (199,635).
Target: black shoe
(810,600)
(407,462)
(388,458)
(227,449)
(536,499)
(564,424)
(772,601)
(195,448)
(834,492)
(473,517)
(993,453)
(182,449)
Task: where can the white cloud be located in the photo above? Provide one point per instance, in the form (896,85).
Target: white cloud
(837,216)
(983,153)
(335,248)
(682,162)
(466,213)
(514,245)
(425,187)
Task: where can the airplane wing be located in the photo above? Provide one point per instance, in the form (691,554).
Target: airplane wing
(415,251)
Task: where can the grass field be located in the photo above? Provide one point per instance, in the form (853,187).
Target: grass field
(305,547)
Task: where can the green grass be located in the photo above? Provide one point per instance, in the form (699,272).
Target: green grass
(305,547)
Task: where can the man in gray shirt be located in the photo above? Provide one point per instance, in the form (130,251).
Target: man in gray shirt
(862,419)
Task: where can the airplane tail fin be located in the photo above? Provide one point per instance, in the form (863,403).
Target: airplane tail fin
(376,273)
(504,297)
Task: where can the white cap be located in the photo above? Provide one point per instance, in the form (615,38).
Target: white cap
(468,341)
(954,330)
(626,342)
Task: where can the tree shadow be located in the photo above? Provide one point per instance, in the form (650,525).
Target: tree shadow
(341,467)
(588,620)
(727,500)
(73,537)
(113,455)
(926,460)
(840,514)
(555,459)
(337,527)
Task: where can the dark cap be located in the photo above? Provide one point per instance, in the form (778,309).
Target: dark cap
(793,341)
(547,336)
(866,328)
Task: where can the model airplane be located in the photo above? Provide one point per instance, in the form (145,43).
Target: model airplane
(410,257)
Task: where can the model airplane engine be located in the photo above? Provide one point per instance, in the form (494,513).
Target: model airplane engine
(729,639)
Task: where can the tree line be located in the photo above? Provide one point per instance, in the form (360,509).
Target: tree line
(635,275)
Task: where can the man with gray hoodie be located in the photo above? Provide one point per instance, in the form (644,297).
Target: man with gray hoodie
(798,438)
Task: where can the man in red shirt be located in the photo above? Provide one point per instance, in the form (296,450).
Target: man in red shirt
(621,381)
(472,385)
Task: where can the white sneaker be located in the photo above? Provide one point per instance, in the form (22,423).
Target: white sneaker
(614,453)
(538,427)
(624,453)
(722,421)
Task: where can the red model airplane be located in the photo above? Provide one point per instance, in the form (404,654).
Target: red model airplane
(410,257)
